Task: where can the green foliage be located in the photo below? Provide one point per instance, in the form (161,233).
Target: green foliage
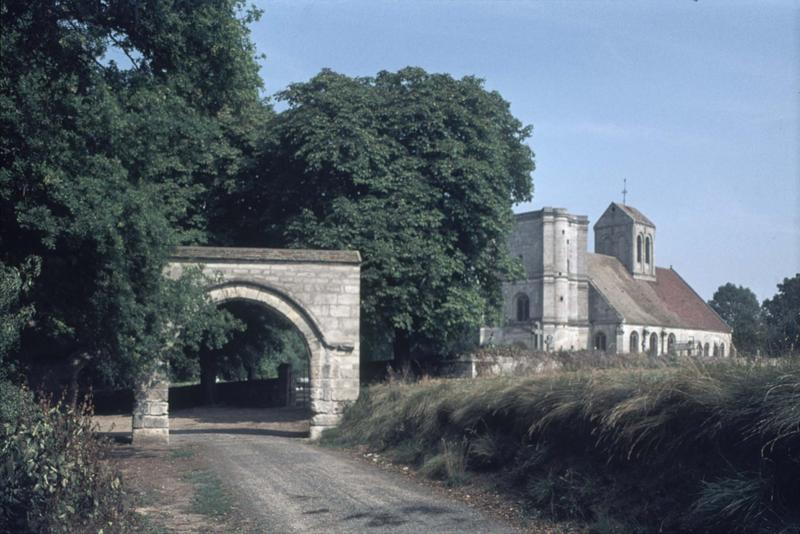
(246,342)
(54,475)
(13,315)
(418,172)
(104,168)
(738,306)
(782,316)
(683,447)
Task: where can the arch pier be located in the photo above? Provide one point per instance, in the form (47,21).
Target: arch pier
(318,291)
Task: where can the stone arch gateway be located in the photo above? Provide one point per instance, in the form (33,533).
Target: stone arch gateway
(318,291)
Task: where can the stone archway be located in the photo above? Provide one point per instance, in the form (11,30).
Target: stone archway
(317,291)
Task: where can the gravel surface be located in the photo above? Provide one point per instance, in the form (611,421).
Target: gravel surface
(292,486)
(281,483)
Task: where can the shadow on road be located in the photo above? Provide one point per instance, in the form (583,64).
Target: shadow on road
(246,431)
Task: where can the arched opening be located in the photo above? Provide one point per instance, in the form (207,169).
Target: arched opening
(639,249)
(716,350)
(647,250)
(722,350)
(634,342)
(276,316)
(653,349)
(263,363)
(705,349)
(671,344)
(523,307)
(600,341)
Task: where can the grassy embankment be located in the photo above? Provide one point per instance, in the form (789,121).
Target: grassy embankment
(684,446)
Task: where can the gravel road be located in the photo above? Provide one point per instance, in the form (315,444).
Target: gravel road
(293,486)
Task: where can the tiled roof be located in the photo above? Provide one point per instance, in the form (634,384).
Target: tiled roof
(637,215)
(668,302)
(682,300)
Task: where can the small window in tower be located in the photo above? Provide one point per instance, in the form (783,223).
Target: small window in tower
(523,307)
(562,232)
(647,247)
(639,249)
(561,299)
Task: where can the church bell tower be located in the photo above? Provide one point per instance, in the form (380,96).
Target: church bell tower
(625,233)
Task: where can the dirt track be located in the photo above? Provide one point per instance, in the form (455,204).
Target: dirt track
(281,483)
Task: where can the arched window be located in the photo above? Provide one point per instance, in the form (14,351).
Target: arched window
(639,249)
(523,307)
(647,249)
(671,344)
(705,349)
(653,344)
(600,341)
(699,349)
(716,349)
(722,349)
(634,342)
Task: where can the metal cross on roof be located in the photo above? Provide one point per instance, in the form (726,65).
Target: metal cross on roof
(624,190)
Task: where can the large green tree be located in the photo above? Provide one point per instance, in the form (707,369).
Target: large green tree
(782,317)
(418,172)
(738,306)
(105,165)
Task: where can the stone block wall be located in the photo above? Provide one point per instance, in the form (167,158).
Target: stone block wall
(151,411)
(319,292)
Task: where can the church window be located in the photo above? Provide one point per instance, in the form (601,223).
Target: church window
(722,349)
(699,349)
(523,307)
(716,349)
(600,341)
(705,350)
(653,344)
(671,344)
(634,342)
(639,249)
(647,249)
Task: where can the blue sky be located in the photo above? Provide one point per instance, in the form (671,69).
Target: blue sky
(696,104)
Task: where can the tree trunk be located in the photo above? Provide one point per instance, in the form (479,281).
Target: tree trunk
(208,377)
(76,364)
(251,371)
(401,347)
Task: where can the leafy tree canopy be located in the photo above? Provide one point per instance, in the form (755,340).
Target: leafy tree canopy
(782,316)
(105,167)
(418,172)
(738,306)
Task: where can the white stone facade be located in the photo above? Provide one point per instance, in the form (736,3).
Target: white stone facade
(317,291)
(567,302)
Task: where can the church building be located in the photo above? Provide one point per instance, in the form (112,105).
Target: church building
(616,300)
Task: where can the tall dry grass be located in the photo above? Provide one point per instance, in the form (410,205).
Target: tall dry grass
(691,445)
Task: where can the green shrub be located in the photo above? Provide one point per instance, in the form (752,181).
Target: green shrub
(52,468)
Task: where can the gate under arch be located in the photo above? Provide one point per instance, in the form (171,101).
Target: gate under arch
(318,291)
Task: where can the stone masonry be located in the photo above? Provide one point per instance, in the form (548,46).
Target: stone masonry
(317,291)
(613,300)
